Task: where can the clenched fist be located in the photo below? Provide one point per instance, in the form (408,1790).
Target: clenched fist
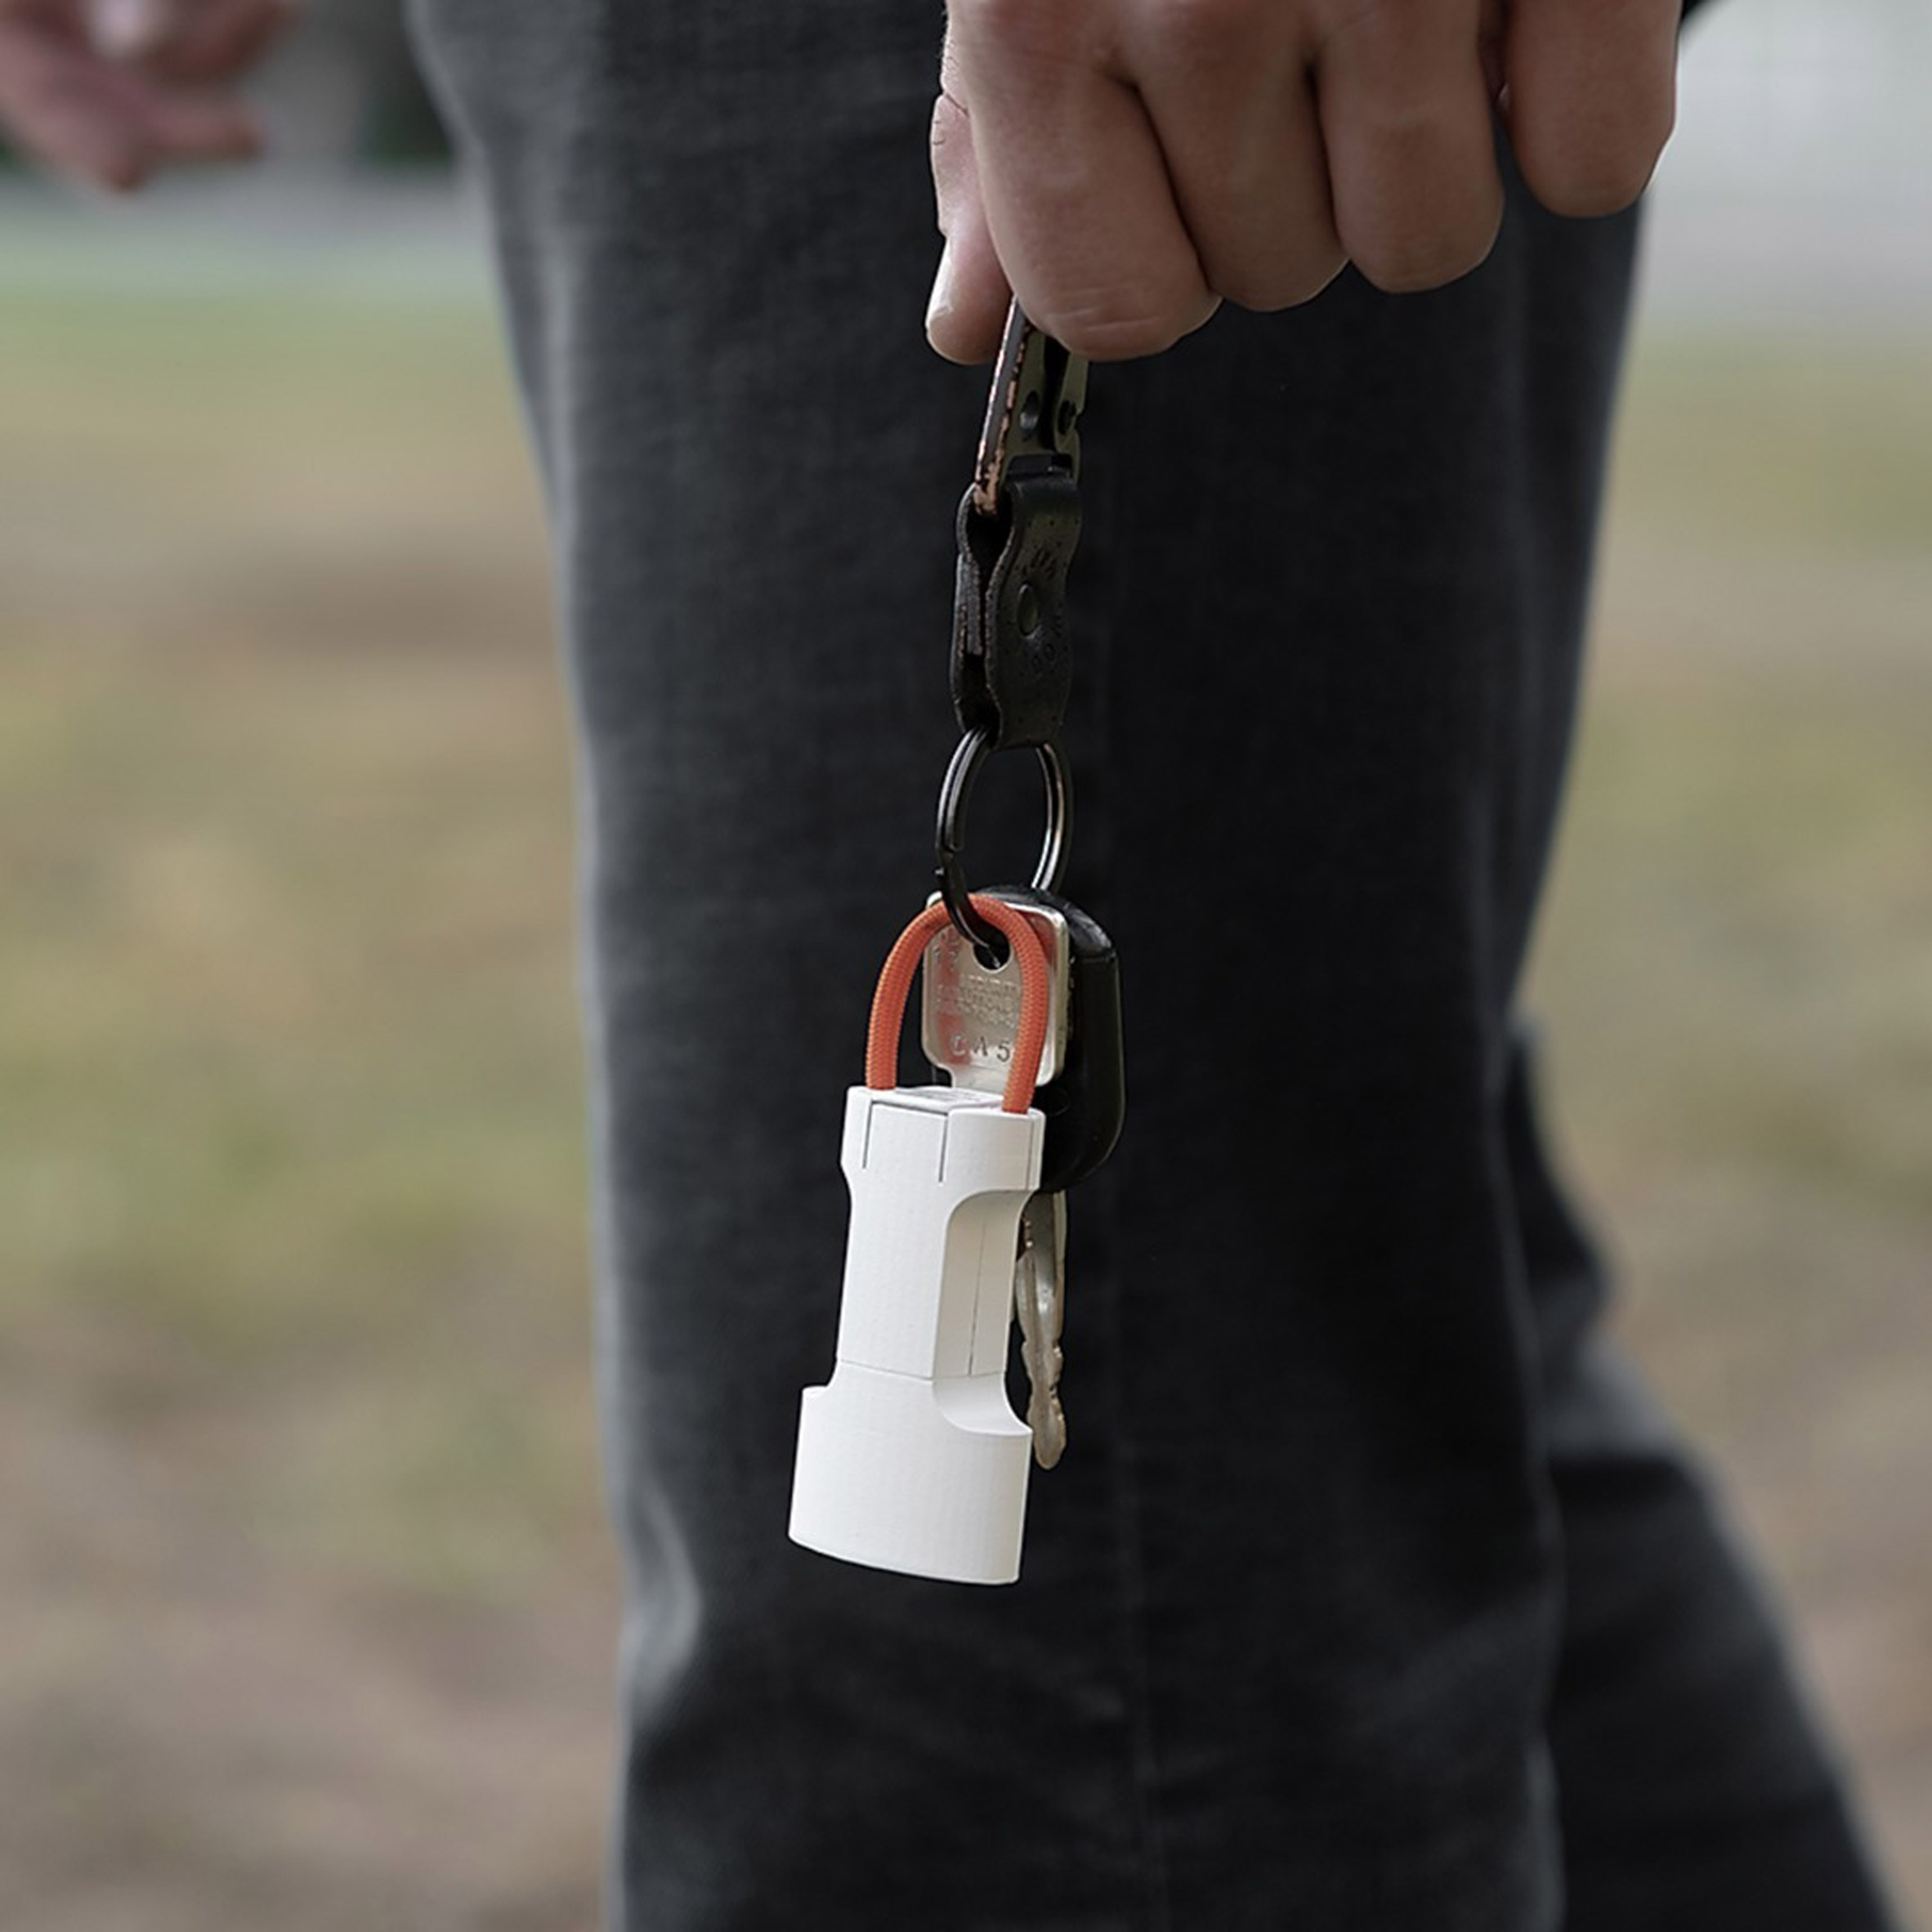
(111,92)
(1124,166)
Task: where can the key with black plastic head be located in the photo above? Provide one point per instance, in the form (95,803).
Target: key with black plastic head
(968,1022)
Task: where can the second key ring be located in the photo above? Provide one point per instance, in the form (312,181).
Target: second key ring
(955,793)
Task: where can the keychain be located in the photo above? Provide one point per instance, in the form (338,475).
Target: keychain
(911,1458)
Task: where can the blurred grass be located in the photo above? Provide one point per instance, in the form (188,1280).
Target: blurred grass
(305,1607)
(1736,970)
(293,1320)
(289,1049)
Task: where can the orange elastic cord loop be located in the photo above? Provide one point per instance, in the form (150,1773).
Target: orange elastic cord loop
(895,981)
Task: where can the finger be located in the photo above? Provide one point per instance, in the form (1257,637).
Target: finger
(1405,111)
(1074,188)
(1489,47)
(1592,96)
(70,113)
(1244,150)
(185,127)
(192,42)
(966,312)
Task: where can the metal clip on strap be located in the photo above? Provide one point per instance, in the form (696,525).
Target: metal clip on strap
(1011,663)
(1018,527)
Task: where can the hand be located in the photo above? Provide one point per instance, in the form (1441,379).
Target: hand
(112,92)
(1124,166)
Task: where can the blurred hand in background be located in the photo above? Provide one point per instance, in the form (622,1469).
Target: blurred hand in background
(111,92)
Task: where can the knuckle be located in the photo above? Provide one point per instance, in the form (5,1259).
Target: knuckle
(1587,192)
(1204,24)
(1586,200)
(1431,261)
(1608,177)
(1286,286)
(1378,25)
(1024,26)
(1117,339)
(1409,120)
(1118,330)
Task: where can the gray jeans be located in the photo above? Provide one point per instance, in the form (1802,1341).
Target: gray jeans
(1372,1593)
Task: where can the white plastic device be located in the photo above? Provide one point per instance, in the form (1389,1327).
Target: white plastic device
(911,1458)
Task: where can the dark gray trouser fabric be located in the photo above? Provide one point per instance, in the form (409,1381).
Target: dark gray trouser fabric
(1372,1594)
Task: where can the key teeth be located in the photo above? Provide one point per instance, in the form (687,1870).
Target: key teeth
(1050,1432)
(1038,1277)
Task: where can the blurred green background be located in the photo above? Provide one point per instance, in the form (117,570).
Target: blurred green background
(307,1612)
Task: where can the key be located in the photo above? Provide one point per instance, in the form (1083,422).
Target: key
(967,1019)
(968,1015)
(1084,1105)
(1038,1275)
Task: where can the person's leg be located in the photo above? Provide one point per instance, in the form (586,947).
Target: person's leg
(1291,1608)
(1368,543)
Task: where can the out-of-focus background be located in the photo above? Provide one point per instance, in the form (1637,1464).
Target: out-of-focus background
(305,1608)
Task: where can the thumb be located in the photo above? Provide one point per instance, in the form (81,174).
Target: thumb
(966,316)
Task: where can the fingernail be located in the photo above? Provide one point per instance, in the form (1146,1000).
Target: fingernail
(940,304)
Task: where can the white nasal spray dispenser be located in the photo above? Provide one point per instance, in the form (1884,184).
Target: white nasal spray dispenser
(911,1458)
